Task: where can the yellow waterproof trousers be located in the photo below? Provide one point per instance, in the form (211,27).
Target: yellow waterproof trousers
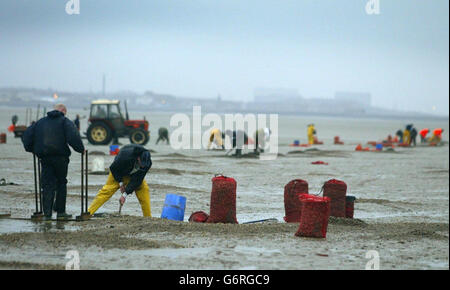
(215,137)
(310,133)
(406,137)
(111,186)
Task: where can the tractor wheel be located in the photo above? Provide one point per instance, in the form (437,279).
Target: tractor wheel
(139,136)
(99,134)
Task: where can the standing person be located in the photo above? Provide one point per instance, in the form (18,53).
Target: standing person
(399,134)
(49,138)
(127,173)
(413,136)
(77,122)
(407,135)
(311,131)
(216,137)
(238,139)
(261,136)
(163,135)
(423,135)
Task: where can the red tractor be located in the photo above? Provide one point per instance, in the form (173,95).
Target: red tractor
(106,123)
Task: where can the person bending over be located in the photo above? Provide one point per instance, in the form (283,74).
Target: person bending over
(127,173)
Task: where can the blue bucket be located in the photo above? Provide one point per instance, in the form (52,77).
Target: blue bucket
(296,142)
(379,147)
(174,206)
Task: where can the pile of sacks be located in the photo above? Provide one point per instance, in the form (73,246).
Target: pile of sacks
(310,211)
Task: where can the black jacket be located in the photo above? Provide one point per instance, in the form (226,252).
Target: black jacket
(50,136)
(125,162)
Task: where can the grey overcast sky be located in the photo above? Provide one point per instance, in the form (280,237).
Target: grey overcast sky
(202,48)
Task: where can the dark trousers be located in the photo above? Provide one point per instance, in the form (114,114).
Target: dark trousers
(54,180)
(163,137)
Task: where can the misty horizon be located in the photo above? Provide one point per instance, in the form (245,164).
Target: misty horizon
(202,49)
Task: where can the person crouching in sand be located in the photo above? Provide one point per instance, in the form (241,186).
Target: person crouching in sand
(127,173)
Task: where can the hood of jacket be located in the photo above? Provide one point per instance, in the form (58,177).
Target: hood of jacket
(55,114)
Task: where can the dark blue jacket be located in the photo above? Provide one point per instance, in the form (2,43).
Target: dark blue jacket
(50,136)
(125,162)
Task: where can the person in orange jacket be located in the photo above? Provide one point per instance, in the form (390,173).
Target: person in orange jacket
(437,136)
(423,135)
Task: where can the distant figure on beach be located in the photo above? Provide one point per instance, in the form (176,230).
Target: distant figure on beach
(216,138)
(399,134)
(311,132)
(413,135)
(127,173)
(163,135)
(261,137)
(77,122)
(437,136)
(407,134)
(238,139)
(49,138)
(423,135)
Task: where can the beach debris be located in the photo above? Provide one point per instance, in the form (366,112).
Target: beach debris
(262,221)
(97,153)
(5,215)
(4,183)
(319,163)
(114,150)
(223,200)
(322,255)
(2,138)
(198,217)
(337,141)
(98,166)
(314,216)
(360,148)
(292,205)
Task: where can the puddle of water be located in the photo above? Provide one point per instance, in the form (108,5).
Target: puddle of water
(8,226)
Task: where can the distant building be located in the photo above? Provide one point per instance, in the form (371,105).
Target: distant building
(354,98)
(272,95)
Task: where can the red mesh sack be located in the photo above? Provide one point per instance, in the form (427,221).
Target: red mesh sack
(198,217)
(336,191)
(223,201)
(349,206)
(292,205)
(314,216)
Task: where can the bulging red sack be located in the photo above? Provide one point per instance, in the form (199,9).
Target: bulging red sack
(198,217)
(223,201)
(292,204)
(336,190)
(314,216)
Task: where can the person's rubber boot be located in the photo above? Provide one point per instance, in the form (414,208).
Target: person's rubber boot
(63,216)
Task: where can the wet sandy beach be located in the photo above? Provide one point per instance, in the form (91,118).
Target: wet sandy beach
(401,209)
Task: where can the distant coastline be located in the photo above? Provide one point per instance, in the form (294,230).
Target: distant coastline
(153,102)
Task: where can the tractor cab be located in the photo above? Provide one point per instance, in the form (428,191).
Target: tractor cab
(107,122)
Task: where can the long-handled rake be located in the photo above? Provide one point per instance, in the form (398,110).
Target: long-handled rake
(84,215)
(38,214)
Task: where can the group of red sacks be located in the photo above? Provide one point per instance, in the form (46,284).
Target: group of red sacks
(310,211)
